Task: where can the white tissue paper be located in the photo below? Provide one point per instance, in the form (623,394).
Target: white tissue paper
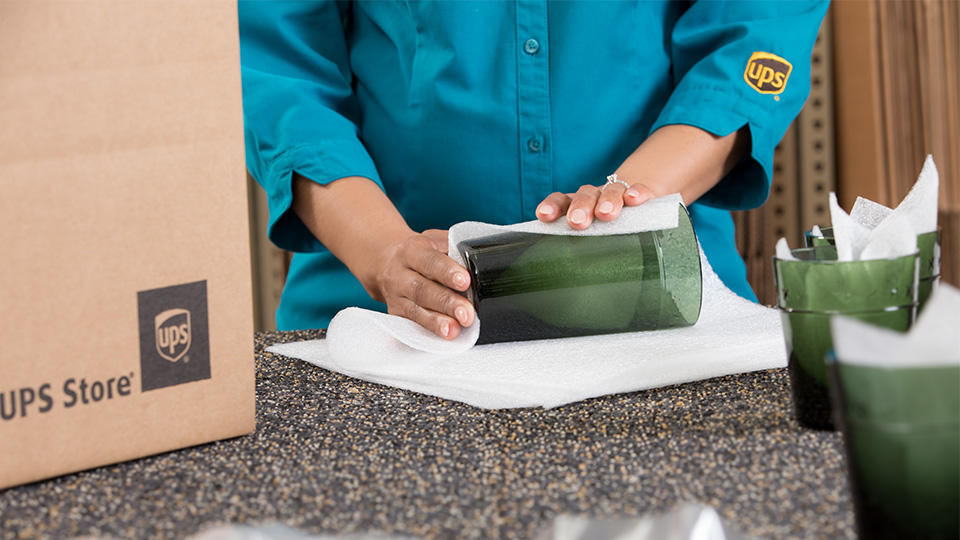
(732,335)
(919,207)
(783,251)
(893,237)
(873,231)
(932,341)
(869,213)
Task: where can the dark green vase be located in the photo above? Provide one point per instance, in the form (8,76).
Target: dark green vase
(901,429)
(816,287)
(928,244)
(529,286)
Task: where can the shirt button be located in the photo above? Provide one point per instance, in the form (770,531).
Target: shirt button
(531,46)
(534,144)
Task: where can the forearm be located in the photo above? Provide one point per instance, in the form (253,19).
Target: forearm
(354,219)
(684,159)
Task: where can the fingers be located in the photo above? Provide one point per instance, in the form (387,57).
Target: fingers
(436,298)
(582,204)
(432,264)
(590,202)
(430,281)
(637,195)
(554,206)
(438,323)
(438,238)
(419,282)
(610,202)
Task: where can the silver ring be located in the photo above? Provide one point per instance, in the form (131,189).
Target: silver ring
(612,179)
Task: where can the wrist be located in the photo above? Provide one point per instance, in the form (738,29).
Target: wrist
(355,220)
(683,159)
(370,268)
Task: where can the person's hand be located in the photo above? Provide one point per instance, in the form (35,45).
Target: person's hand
(592,202)
(408,271)
(418,281)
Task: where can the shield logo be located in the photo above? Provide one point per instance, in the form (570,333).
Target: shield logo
(172,331)
(767,73)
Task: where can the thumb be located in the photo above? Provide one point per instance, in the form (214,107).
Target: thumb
(637,194)
(438,238)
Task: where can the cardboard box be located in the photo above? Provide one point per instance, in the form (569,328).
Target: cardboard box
(125,296)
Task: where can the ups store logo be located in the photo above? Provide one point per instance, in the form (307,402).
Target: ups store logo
(174,335)
(767,73)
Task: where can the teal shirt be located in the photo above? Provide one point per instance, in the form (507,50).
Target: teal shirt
(477,110)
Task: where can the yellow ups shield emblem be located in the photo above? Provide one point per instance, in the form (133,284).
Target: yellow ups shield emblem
(767,73)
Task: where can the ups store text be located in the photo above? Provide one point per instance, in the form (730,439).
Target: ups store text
(24,401)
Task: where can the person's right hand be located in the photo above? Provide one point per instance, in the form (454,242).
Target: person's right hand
(408,271)
(418,281)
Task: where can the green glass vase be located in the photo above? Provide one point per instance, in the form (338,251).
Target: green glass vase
(809,240)
(901,429)
(928,245)
(530,286)
(814,288)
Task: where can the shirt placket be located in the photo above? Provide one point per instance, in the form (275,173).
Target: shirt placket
(533,98)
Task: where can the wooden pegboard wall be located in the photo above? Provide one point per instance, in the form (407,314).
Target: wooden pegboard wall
(815,148)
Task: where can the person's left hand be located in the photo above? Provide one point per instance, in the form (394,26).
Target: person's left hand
(592,202)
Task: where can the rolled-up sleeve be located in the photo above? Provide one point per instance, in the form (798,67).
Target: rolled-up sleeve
(711,46)
(298,104)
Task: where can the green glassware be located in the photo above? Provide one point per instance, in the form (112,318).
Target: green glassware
(809,240)
(529,286)
(928,244)
(811,290)
(901,427)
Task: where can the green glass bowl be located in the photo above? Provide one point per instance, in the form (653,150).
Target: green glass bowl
(816,287)
(901,428)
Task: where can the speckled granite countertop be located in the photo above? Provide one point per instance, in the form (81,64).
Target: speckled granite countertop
(334,454)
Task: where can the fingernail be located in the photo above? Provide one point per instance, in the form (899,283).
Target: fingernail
(605,207)
(461,314)
(459,279)
(578,217)
(445,329)
(632,193)
(544,209)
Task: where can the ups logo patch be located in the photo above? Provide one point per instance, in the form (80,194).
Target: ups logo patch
(767,73)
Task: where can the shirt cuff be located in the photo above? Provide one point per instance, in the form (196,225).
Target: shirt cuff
(721,113)
(321,163)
